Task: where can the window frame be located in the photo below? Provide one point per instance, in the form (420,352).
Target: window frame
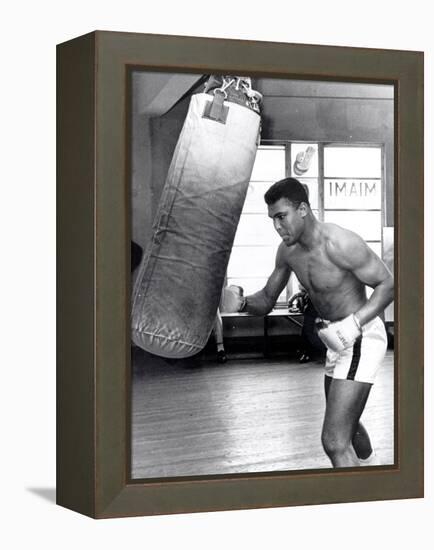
(322,145)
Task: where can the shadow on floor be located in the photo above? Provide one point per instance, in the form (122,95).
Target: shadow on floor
(47,493)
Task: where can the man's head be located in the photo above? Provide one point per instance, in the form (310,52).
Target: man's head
(290,189)
(288,206)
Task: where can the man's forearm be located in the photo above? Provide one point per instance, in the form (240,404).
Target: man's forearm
(382,296)
(259,303)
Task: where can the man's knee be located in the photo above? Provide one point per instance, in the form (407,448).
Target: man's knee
(334,444)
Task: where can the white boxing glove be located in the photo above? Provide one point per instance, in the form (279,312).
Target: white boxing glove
(232,299)
(341,334)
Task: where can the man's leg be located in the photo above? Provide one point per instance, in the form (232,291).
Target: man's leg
(361,442)
(346,400)
(218,335)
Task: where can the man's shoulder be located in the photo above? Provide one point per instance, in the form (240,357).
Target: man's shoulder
(338,235)
(342,243)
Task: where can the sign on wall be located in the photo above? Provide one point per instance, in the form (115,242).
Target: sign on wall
(352,194)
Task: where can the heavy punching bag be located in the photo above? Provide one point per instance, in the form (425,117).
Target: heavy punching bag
(178,286)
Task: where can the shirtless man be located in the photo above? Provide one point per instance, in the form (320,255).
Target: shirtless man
(334,265)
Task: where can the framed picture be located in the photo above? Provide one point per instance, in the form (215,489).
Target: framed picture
(178,389)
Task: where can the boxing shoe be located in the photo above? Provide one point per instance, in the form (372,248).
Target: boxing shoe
(221,356)
(339,335)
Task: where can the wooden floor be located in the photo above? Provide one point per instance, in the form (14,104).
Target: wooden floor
(248,415)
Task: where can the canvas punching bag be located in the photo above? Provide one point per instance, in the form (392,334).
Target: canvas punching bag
(178,285)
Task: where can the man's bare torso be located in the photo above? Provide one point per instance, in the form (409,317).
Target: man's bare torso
(334,291)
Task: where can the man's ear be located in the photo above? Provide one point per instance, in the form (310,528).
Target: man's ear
(303,209)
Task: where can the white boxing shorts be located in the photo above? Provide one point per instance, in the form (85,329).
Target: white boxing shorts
(363,359)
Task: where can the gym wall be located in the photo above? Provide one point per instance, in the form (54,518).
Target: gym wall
(292,110)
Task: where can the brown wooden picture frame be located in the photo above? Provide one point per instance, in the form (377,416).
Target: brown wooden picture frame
(93,376)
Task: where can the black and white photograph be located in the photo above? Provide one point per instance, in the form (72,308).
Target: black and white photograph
(262,274)
(217,292)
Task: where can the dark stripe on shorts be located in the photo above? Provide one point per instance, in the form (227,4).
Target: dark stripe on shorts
(355,359)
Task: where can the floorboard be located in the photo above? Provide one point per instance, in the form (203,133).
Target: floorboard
(198,417)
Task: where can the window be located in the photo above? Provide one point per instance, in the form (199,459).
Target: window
(304,166)
(353,191)
(256,241)
(345,185)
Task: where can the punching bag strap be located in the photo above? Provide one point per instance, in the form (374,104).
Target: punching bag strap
(216,109)
(227,89)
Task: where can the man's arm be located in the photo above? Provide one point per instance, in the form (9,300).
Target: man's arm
(352,253)
(262,302)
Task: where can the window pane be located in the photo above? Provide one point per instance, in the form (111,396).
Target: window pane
(252,261)
(352,162)
(312,184)
(256,229)
(254,202)
(369,291)
(256,241)
(365,224)
(269,164)
(388,240)
(352,193)
(304,160)
(293,285)
(250,286)
(388,257)
(376,247)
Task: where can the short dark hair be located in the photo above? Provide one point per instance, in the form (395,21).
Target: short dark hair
(288,188)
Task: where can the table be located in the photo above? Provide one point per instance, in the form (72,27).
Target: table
(291,317)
